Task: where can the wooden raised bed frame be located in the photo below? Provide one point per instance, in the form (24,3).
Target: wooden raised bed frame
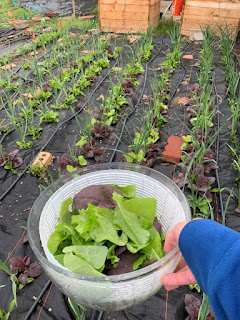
(212,13)
(128,16)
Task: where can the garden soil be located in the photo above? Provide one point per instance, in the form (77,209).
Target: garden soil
(15,207)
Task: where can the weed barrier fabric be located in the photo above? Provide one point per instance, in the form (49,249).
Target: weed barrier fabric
(15,207)
(82,7)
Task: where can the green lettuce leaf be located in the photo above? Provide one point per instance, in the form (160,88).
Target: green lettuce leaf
(104,228)
(78,265)
(128,191)
(65,214)
(111,255)
(59,258)
(83,221)
(154,248)
(129,223)
(54,241)
(68,230)
(144,207)
(94,255)
(137,263)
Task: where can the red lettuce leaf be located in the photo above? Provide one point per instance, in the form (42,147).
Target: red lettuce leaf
(125,264)
(97,195)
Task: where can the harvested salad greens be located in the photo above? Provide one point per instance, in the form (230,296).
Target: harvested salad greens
(108,231)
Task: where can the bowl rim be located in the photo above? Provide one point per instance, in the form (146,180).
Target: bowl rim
(114,278)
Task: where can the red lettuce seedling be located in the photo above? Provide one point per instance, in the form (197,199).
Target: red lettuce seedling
(65,161)
(97,195)
(91,150)
(22,267)
(11,158)
(101,130)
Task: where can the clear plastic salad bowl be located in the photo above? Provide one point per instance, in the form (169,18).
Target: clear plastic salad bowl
(110,293)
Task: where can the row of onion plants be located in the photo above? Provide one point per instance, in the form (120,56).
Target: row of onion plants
(233,82)
(198,158)
(143,148)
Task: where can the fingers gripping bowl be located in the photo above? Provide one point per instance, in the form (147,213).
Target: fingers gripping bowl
(110,293)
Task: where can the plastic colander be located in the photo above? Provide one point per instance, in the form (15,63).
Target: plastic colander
(110,293)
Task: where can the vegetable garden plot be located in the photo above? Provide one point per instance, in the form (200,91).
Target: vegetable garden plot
(116,124)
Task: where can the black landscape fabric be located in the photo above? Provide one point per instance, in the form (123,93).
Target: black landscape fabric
(82,7)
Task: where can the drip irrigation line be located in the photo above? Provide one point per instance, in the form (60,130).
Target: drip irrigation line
(179,83)
(100,315)
(37,300)
(56,130)
(5,135)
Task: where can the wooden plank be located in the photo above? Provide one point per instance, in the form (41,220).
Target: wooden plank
(208,19)
(106,7)
(187,32)
(128,2)
(127,30)
(122,15)
(196,26)
(123,23)
(234,14)
(214,4)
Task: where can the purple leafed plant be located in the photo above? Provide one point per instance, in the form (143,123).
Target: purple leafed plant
(97,195)
(91,150)
(46,87)
(192,305)
(11,157)
(125,264)
(22,268)
(199,181)
(127,86)
(73,65)
(100,130)
(67,160)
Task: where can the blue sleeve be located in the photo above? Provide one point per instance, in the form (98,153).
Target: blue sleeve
(212,252)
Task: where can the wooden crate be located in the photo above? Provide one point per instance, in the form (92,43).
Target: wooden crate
(128,16)
(197,13)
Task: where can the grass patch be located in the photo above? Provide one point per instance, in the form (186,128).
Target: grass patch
(17,13)
(73,22)
(165,27)
(94,11)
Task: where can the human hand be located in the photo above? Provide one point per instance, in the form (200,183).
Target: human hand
(182,274)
